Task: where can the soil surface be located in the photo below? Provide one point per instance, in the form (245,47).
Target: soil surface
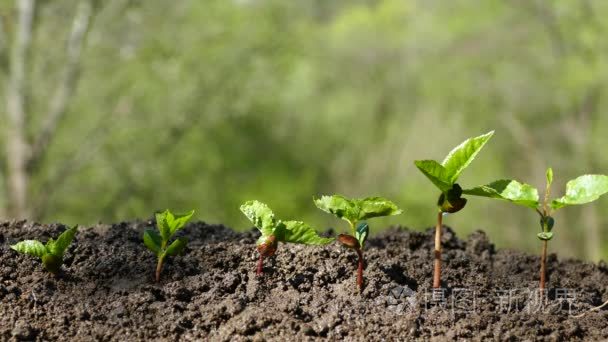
(106,290)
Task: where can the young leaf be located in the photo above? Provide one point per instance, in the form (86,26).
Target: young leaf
(375,207)
(509,190)
(178,221)
(361,233)
(461,156)
(260,215)
(300,232)
(59,246)
(162,222)
(436,173)
(581,190)
(545,236)
(30,247)
(546,223)
(340,206)
(549,177)
(177,246)
(152,240)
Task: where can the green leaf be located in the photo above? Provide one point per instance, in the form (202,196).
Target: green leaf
(509,190)
(162,223)
(30,247)
(361,233)
(581,190)
(460,157)
(452,201)
(300,232)
(371,207)
(545,236)
(177,246)
(152,240)
(354,210)
(178,221)
(340,206)
(549,177)
(547,223)
(436,173)
(59,246)
(260,215)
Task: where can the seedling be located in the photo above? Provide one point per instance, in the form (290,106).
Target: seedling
(51,253)
(168,224)
(444,177)
(581,190)
(355,211)
(275,231)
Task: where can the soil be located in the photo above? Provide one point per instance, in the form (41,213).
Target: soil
(106,290)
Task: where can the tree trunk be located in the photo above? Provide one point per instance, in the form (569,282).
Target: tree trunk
(17,148)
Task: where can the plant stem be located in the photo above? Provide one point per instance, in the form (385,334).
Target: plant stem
(260,269)
(543,266)
(360,270)
(437,270)
(159,267)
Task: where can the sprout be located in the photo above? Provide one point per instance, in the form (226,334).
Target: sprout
(168,224)
(275,231)
(51,253)
(444,177)
(354,211)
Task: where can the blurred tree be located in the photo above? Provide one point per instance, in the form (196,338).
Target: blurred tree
(23,154)
(206,104)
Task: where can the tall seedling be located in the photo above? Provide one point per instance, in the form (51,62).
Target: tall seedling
(444,176)
(581,190)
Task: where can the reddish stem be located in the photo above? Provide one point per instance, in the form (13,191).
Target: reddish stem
(437,269)
(543,266)
(260,269)
(360,270)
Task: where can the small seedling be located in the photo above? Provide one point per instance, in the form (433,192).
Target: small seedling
(444,176)
(275,231)
(168,224)
(581,190)
(355,211)
(51,253)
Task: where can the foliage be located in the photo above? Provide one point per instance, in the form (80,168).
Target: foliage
(275,231)
(445,175)
(355,210)
(583,189)
(52,252)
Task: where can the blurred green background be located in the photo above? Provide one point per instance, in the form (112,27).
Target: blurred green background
(146,105)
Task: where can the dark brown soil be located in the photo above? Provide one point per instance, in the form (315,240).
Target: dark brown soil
(107,292)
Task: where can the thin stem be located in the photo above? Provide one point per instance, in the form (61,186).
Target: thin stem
(437,270)
(260,269)
(546,200)
(159,267)
(543,266)
(360,270)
